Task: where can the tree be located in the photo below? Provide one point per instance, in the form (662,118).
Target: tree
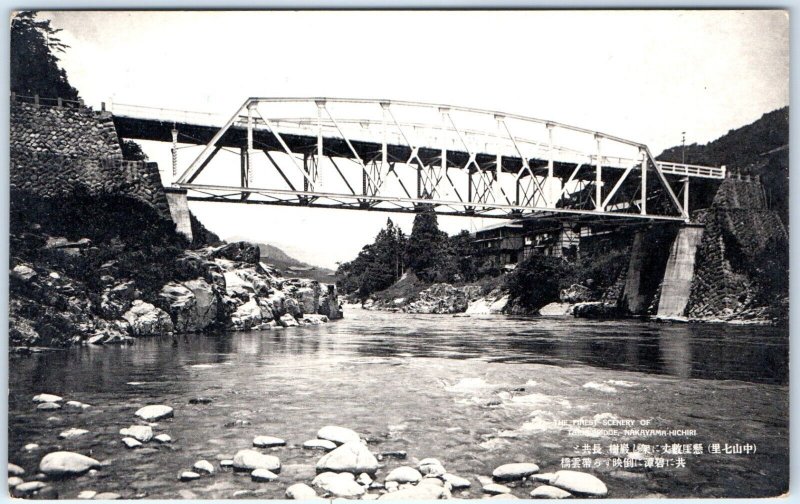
(132,151)
(536,281)
(33,62)
(378,265)
(425,245)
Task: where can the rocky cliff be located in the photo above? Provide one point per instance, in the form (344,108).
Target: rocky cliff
(95,256)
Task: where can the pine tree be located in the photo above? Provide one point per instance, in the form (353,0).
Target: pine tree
(33,62)
(425,244)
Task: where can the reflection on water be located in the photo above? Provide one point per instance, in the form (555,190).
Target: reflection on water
(474,392)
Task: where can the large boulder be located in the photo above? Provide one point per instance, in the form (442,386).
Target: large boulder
(64,463)
(249,460)
(339,435)
(439,298)
(329,303)
(147,320)
(309,297)
(193,305)
(341,485)
(517,471)
(154,412)
(414,493)
(353,457)
(576,293)
(237,286)
(115,332)
(579,483)
(246,316)
(114,301)
(300,491)
(239,252)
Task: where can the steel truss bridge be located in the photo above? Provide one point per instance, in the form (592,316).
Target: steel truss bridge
(398,156)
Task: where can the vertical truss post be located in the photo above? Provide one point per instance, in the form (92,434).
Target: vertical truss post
(317,181)
(443,111)
(499,162)
(250,107)
(384,145)
(174,151)
(550,127)
(643,209)
(686,197)
(243,172)
(598,178)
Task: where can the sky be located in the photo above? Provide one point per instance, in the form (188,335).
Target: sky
(642,75)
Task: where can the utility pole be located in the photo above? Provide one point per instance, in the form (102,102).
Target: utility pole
(683,147)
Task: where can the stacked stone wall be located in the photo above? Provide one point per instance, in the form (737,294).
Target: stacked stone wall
(733,280)
(58,152)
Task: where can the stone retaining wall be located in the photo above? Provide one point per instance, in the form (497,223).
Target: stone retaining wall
(58,152)
(741,234)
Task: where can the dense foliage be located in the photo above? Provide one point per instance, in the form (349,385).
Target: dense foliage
(428,253)
(33,60)
(377,266)
(132,151)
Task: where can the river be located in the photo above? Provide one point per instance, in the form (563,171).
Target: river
(473,392)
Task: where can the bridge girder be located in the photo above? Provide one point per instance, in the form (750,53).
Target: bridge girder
(463,161)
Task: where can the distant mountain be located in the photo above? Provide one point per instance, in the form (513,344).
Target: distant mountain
(760,148)
(288,265)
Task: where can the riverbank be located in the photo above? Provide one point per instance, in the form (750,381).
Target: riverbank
(473,393)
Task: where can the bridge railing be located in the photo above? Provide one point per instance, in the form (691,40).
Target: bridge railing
(165,114)
(712,172)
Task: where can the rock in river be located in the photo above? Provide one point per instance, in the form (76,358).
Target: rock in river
(263,475)
(353,457)
(300,491)
(48,406)
(456,482)
(549,492)
(15,470)
(143,433)
(579,483)
(203,466)
(319,444)
(511,472)
(419,492)
(404,474)
(268,441)
(41,398)
(129,442)
(107,496)
(28,488)
(14,481)
(72,433)
(339,484)
(189,476)
(339,435)
(154,412)
(64,463)
(495,489)
(163,438)
(248,460)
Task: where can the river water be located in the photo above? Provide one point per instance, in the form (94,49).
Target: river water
(473,392)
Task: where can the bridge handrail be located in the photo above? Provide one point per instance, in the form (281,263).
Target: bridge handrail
(690,169)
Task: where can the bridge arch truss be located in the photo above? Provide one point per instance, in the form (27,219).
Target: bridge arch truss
(397,156)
